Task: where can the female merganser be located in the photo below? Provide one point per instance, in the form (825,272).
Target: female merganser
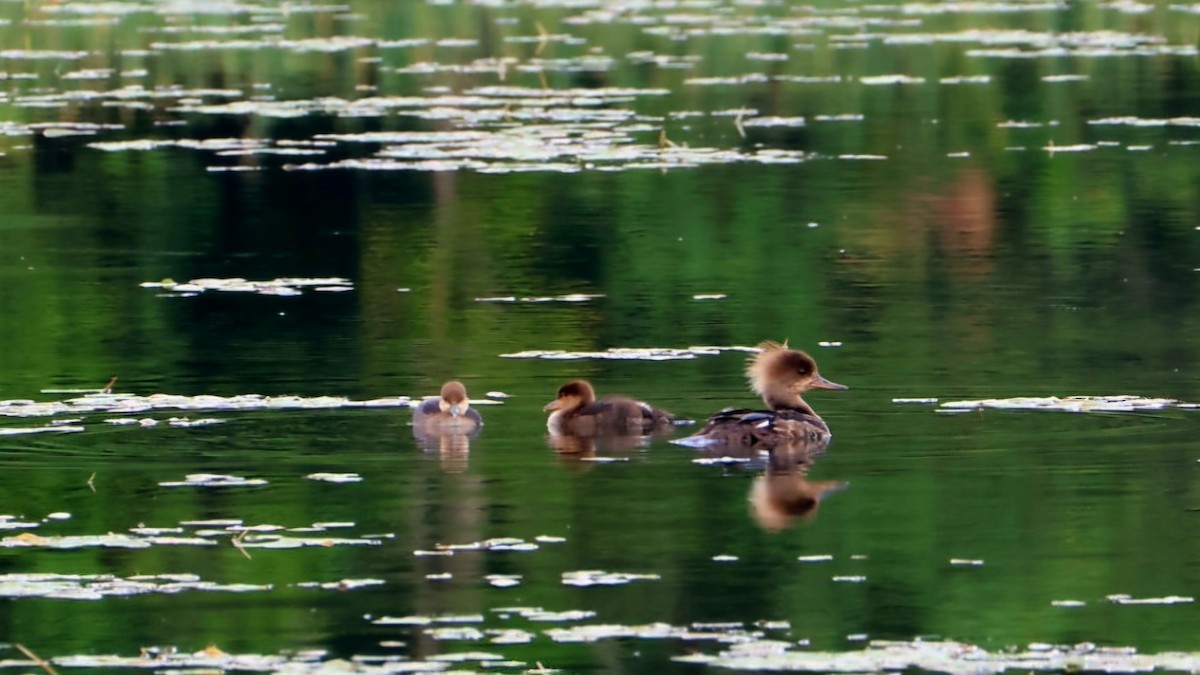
(779,374)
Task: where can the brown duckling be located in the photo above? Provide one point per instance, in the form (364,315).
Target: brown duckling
(448,413)
(576,411)
(779,374)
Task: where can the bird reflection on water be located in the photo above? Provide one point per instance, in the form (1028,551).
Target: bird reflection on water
(782,495)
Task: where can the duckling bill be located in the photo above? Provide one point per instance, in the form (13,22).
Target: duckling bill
(448,413)
(780,375)
(575,410)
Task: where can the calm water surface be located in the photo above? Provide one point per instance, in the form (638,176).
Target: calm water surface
(1011,211)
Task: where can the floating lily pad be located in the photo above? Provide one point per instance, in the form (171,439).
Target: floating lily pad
(281,286)
(214,480)
(601,578)
(1078,404)
(335,477)
(99,586)
(953,658)
(127,404)
(628,353)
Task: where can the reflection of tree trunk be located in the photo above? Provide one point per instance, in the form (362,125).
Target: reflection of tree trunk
(967,223)
(441,283)
(449,510)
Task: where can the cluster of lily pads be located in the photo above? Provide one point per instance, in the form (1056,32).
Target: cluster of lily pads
(493,120)
(1082,404)
(283,286)
(192,533)
(746,651)
(628,353)
(953,658)
(118,409)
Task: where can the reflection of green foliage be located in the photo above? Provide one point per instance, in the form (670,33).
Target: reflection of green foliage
(1011,271)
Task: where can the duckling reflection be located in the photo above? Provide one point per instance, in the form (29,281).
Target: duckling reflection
(446,424)
(782,496)
(585,447)
(453,450)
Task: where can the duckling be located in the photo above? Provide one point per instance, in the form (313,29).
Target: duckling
(575,411)
(779,374)
(448,413)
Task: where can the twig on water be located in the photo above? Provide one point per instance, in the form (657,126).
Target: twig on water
(37,660)
(543,37)
(237,543)
(109,387)
(91,481)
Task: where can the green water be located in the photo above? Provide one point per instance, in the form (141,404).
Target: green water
(970,258)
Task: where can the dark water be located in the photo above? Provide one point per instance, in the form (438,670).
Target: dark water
(1005,236)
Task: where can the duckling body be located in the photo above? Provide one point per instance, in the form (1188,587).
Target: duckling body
(448,413)
(779,374)
(576,411)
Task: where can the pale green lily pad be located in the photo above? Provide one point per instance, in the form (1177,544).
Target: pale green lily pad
(214,480)
(99,586)
(952,658)
(1077,404)
(335,477)
(602,578)
(342,585)
(628,353)
(128,404)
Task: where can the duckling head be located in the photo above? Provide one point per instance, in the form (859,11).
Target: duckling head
(779,368)
(454,398)
(572,396)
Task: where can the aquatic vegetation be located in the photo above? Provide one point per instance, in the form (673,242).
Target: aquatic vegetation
(722,633)
(1078,404)
(30,540)
(954,658)
(49,428)
(427,620)
(107,403)
(570,297)
(214,480)
(100,586)
(335,477)
(283,286)
(628,353)
(602,578)
(1123,599)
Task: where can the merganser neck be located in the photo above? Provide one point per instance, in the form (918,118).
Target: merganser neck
(779,398)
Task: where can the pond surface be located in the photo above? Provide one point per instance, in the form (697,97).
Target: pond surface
(942,202)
